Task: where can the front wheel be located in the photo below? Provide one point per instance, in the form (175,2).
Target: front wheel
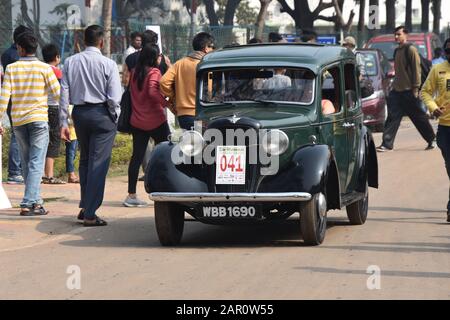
(313,220)
(357,212)
(169,221)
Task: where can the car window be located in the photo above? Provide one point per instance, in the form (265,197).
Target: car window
(275,84)
(370,67)
(331,92)
(389,47)
(350,86)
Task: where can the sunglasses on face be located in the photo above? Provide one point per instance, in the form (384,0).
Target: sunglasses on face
(212,46)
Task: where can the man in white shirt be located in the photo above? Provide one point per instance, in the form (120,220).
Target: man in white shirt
(136,44)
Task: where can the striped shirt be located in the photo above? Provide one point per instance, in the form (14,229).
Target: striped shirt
(28,82)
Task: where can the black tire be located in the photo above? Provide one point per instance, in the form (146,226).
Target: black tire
(313,224)
(169,221)
(357,212)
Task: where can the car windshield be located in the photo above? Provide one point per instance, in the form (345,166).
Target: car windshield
(389,47)
(370,63)
(284,85)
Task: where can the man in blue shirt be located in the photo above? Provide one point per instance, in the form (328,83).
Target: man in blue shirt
(91,82)
(14,168)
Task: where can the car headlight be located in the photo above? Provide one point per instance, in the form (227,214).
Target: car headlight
(191,143)
(275,142)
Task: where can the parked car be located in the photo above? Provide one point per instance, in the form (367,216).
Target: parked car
(424,42)
(380,72)
(263,147)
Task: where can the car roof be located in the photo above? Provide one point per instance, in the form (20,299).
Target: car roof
(306,55)
(390,37)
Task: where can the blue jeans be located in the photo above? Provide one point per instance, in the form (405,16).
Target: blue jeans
(71,152)
(14,167)
(33,143)
(443,142)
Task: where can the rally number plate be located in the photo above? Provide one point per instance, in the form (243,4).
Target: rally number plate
(230,165)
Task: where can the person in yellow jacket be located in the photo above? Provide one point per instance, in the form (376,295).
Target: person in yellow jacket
(179,84)
(436,95)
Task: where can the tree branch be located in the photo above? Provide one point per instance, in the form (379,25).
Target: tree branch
(330,19)
(322,6)
(286,8)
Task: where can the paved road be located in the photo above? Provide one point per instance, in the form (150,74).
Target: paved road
(406,237)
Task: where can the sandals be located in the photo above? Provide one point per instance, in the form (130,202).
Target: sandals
(73,180)
(98,222)
(35,210)
(52,180)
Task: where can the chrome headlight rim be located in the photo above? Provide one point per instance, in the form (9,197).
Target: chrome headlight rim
(281,147)
(191,143)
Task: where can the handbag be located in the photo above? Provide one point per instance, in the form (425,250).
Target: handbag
(123,124)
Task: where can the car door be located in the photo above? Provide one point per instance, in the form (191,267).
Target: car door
(333,131)
(353,121)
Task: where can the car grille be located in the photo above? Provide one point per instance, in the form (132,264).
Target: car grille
(252,170)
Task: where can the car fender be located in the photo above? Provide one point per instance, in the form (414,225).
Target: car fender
(312,169)
(367,161)
(163,175)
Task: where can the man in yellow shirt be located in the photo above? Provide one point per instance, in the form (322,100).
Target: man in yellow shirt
(28,83)
(438,85)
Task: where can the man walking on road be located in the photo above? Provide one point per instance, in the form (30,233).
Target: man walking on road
(438,84)
(179,81)
(28,82)
(404,97)
(91,82)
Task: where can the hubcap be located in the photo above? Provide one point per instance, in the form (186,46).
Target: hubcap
(322,205)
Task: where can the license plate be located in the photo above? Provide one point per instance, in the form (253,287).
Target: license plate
(230,165)
(236,212)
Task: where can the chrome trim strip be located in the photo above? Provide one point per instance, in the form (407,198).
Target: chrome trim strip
(230,197)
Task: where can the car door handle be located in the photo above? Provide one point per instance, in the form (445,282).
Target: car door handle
(348,125)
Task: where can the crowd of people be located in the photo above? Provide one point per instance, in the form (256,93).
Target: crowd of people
(80,105)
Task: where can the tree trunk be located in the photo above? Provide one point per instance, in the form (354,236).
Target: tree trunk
(425,15)
(390,15)
(260,21)
(230,11)
(211,13)
(107,25)
(408,15)
(437,4)
(362,9)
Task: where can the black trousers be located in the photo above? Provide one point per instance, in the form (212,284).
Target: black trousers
(399,105)
(443,142)
(140,142)
(96,132)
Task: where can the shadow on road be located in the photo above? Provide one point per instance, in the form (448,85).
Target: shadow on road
(409,210)
(141,233)
(389,273)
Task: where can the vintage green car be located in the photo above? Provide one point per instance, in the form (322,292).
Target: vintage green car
(280,131)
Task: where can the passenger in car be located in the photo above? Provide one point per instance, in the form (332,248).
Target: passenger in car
(278,81)
(327,107)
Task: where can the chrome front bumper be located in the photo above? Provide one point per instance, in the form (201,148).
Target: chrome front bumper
(230,197)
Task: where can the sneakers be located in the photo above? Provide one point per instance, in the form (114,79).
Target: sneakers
(432,145)
(134,203)
(383,149)
(15,180)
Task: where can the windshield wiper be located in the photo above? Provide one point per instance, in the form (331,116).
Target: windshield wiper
(265,102)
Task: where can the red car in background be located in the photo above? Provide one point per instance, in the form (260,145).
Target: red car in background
(377,68)
(424,42)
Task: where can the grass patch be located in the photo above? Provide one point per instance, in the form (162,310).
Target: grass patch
(121,155)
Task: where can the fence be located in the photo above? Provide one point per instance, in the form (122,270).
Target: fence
(176,39)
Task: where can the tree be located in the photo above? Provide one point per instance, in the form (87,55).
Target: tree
(425,15)
(302,14)
(436,9)
(408,15)
(339,18)
(261,19)
(107,25)
(34,23)
(362,9)
(390,15)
